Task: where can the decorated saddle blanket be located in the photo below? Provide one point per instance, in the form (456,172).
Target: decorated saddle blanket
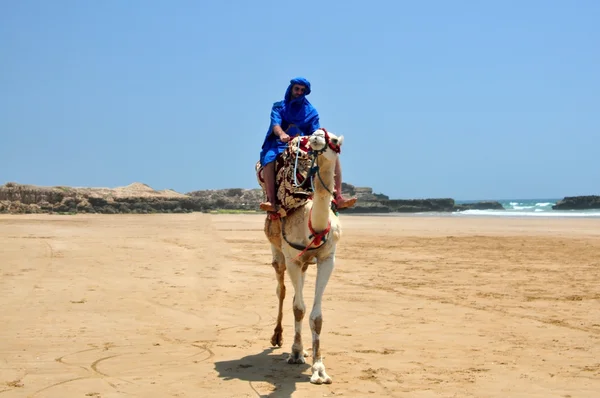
(291,192)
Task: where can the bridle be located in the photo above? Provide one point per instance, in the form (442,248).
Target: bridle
(314,168)
(318,238)
(334,147)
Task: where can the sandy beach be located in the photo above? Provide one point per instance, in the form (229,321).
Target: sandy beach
(184,306)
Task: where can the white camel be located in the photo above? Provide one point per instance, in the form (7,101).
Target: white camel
(308,235)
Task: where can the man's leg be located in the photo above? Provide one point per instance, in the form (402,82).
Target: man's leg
(269,177)
(340,201)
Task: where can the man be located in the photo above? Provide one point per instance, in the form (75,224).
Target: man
(291,117)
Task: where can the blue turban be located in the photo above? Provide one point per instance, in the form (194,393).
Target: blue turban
(299,110)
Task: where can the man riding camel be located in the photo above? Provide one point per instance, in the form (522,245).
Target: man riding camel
(289,118)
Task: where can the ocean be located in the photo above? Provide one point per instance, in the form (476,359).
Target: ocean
(527,208)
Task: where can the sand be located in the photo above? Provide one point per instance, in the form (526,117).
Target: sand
(184,306)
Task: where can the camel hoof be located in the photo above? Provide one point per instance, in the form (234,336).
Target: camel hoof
(319,375)
(320,380)
(296,359)
(277,339)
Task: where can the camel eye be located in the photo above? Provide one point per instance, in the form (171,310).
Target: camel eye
(334,141)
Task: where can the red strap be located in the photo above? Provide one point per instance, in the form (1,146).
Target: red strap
(273,216)
(335,148)
(317,237)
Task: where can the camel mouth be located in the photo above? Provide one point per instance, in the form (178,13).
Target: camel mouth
(317,144)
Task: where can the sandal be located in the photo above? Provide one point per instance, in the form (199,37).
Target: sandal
(267,206)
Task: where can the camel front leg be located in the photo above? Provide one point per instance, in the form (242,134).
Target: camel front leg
(279,265)
(324,270)
(297,275)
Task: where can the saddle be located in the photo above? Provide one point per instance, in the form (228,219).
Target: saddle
(294,161)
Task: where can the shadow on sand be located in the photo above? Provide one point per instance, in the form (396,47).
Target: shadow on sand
(266,368)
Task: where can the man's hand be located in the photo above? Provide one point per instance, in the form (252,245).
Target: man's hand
(278,131)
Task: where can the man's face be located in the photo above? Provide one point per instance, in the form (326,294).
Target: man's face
(298,90)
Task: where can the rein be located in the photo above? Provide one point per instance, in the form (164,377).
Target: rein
(318,238)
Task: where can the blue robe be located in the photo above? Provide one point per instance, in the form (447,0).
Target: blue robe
(296,117)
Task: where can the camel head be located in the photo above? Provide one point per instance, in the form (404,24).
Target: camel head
(324,143)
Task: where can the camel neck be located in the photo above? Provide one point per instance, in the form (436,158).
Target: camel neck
(322,197)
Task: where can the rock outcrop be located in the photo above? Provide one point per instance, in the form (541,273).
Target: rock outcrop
(134,198)
(369,202)
(228,199)
(140,198)
(578,203)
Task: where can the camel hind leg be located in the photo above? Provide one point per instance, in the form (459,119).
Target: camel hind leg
(272,229)
(279,265)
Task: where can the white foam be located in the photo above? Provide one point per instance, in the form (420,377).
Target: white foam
(522,207)
(537,213)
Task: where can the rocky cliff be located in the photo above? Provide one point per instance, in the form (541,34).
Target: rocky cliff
(140,198)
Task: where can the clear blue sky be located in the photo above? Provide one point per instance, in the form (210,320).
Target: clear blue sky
(461,99)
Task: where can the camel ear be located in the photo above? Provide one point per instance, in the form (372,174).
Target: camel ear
(340,140)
